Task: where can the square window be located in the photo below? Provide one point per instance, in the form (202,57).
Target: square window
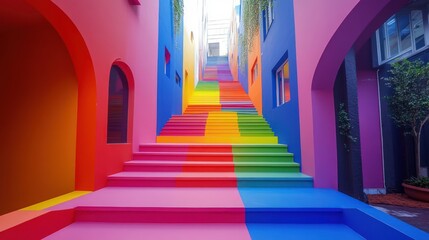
(167,62)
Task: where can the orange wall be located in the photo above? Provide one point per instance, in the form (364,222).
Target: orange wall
(39,111)
(255,88)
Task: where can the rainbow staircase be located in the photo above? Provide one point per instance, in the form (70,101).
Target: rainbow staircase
(216,172)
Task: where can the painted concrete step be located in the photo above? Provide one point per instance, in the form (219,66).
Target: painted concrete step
(236,148)
(250,117)
(153,231)
(209,179)
(187,133)
(215,156)
(159,215)
(215,139)
(209,166)
(203,124)
(213,126)
(217,115)
(270,213)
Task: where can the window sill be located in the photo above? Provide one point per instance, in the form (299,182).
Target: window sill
(402,56)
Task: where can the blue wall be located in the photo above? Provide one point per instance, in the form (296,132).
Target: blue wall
(277,46)
(169,93)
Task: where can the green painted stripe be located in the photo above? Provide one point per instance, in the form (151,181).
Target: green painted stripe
(277,148)
(282,158)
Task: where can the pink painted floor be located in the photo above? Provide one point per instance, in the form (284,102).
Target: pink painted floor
(158,197)
(134,231)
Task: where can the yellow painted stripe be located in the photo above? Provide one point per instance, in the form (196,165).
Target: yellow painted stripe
(55,201)
(216,118)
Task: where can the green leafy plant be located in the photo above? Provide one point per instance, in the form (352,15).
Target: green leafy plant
(422,182)
(409,102)
(344,125)
(177,15)
(251,10)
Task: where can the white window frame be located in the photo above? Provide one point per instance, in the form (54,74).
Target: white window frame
(403,53)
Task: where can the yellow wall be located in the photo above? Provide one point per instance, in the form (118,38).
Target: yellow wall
(188,68)
(255,88)
(38,117)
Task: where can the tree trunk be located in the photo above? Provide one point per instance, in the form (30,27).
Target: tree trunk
(417,152)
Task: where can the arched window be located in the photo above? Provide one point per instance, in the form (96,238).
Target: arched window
(117,120)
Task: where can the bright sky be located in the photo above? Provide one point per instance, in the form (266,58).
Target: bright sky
(219,9)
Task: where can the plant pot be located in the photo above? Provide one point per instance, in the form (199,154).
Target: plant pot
(417,193)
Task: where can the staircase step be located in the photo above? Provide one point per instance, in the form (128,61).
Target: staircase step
(221,139)
(203,127)
(208,179)
(258,148)
(225,215)
(159,215)
(209,166)
(215,156)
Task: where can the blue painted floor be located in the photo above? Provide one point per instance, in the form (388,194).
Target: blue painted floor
(309,213)
(302,231)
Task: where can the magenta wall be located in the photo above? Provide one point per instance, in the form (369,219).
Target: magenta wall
(337,25)
(369,120)
(128,33)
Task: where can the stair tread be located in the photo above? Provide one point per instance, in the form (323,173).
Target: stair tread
(214,145)
(211,175)
(216,153)
(181,163)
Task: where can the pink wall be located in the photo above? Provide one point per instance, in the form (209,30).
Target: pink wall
(336,25)
(115,31)
(319,158)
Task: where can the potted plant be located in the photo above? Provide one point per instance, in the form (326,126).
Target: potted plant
(409,105)
(417,188)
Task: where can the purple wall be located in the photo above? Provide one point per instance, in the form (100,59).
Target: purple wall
(369,119)
(317,66)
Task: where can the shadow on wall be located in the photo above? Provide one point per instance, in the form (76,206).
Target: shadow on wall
(39,111)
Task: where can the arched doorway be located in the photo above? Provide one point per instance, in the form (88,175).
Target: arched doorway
(39,104)
(318,64)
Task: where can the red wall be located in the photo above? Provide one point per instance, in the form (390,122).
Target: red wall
(97,34)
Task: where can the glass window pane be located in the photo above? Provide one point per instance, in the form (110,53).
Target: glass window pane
(117,118)
(286,85)
(382,42)
(392,36)
(404,31)
(418,28)
(286,89)
(279,88)
(270,13)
